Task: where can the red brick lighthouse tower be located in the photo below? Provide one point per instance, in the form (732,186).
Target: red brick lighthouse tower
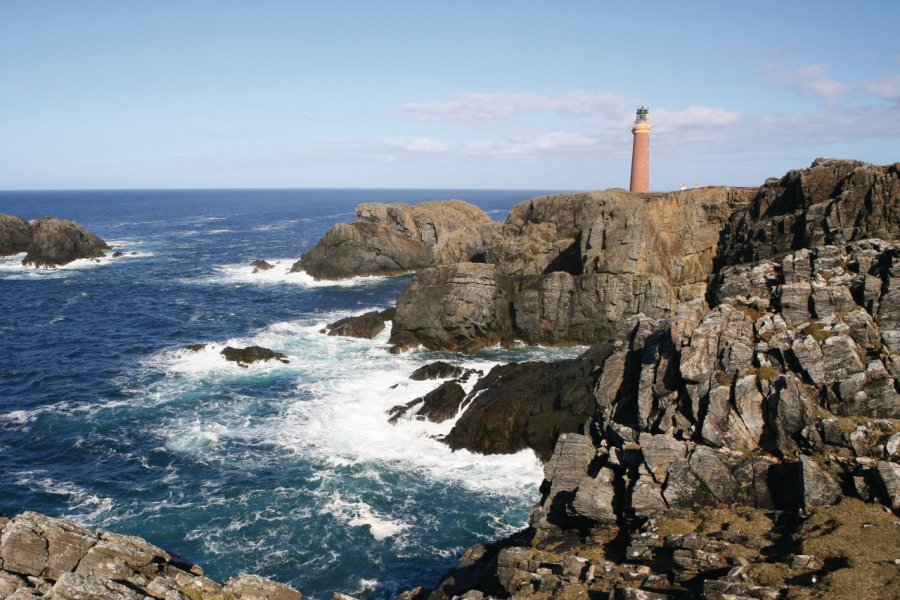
(640,154)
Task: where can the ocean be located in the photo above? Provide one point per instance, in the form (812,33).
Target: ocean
(290,471)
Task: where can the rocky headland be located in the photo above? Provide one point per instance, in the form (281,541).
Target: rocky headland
(734,430)
(48,241)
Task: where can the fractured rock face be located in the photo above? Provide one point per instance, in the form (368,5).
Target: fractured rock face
(460,307)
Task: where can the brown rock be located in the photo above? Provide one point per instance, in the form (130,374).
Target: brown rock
(56,242)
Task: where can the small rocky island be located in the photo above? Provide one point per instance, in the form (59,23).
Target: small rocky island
(48,241)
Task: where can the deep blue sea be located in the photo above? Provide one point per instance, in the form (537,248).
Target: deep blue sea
(290,470)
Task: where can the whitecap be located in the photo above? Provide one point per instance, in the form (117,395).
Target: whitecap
(280,273)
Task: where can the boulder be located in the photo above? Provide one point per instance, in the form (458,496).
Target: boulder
(437,406)
(251,354)
(818,487)
(366,325)
(56,242)
(460,307)
(260,265)
(528,405)
(355,249)
(15,235)
(436,370)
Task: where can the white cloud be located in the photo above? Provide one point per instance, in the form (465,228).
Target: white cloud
(886,87)
(811,81)
(484,107)
(417,145)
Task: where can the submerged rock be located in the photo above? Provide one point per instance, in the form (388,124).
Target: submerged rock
(252,354)
(261,265)
(56,242)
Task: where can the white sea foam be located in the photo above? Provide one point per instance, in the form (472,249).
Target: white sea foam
(11,267)
(82,505)
(345,386)
(360,514)
(279,273)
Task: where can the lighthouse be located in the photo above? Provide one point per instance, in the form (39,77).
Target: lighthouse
(640,153)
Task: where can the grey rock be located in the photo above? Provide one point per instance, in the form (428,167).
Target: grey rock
(15,235)
(56,242)
(818,487)
(888,479)
(81,586)
(460,307)
(254,587)
(366,325)
(595,497)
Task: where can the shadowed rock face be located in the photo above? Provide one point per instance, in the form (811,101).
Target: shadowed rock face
(15,235)
(57,242)
(832,202)
(388,239)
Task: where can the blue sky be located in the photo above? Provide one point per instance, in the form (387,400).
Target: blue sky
(438,94)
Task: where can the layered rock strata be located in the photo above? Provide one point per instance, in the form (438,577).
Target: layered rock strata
(43,557)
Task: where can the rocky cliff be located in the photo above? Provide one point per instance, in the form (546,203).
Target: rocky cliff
(570,269)
(388,239)
(48,241)
(736,447)
(42,557)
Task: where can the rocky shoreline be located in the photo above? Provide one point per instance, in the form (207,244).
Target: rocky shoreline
(737,424)
(43,557)
(48,241)
(732,432)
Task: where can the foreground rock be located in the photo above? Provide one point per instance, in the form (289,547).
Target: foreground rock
(388,239)
(15,235)
(57,559)
(56,242)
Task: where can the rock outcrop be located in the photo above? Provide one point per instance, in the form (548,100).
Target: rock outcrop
(388,239)
(831,203)
(43,557)
(366,325)
(251,354)
(736,446)
(48,241)
(570,269)
(56,242)
(15,235)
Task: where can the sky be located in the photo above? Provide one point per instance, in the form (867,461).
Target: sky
(426,94)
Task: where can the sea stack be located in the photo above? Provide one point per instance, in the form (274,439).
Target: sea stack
(640,153)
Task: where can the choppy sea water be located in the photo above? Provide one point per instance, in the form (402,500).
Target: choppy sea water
(286,470)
